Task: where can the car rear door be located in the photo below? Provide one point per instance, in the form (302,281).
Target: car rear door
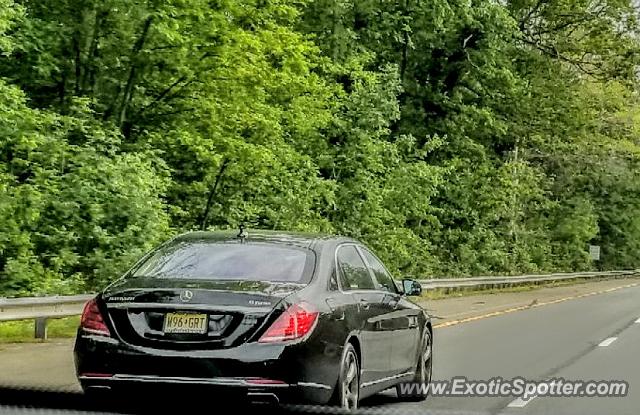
(397,322)
(356,280)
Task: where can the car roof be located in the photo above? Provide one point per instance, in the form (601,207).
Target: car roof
(299,239)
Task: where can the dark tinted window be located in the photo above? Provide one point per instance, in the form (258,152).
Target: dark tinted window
(219,261)
(353,272)
(382,276)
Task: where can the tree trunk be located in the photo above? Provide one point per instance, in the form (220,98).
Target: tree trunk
(62,89)
(78,64)
(405,46)
(127,95)
(212,194)
(89,76)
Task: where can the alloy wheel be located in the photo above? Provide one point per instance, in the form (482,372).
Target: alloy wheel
(426,361)
(350,387)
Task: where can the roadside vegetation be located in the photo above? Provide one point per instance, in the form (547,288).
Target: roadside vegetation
(22,331)
(454,137)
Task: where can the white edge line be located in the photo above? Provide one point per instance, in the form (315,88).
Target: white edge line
(520,403)
(607,342)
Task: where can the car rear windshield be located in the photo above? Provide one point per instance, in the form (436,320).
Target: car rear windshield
(223,261)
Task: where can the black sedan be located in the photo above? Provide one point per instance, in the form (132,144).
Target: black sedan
(269,315)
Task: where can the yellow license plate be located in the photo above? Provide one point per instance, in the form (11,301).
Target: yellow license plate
(185,323)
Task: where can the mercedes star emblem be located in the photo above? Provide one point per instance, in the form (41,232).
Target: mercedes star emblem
(186,295)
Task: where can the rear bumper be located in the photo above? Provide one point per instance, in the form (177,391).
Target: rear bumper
(255,390)
(295,373)
(226,382)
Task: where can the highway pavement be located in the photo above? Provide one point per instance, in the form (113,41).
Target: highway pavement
(595,336)
(555,340)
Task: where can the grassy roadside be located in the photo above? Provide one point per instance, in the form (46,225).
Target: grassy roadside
(441,294)
(21,331)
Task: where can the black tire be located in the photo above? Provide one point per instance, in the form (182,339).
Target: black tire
(424,370)
(347,392)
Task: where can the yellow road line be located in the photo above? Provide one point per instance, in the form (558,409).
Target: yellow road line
(528,306)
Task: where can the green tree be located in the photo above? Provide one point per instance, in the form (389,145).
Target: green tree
(74,212)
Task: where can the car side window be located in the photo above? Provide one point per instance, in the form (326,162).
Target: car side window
(382,275)
(353,272)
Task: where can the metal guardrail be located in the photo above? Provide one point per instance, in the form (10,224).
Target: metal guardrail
(501,281)
(42,308)
(34,307)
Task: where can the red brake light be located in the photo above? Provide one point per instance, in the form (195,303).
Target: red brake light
(296,322)
(92,320)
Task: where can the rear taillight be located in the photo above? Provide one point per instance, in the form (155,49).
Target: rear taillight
(92,320)
(296,322)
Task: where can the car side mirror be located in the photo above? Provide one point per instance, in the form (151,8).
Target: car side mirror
(411,287)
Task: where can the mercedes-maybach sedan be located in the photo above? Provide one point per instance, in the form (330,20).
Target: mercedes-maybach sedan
(268,315)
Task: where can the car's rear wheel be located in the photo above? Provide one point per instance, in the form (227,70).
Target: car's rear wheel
(424,370)
(347,392)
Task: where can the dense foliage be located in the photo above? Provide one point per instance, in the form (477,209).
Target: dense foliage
(454,137)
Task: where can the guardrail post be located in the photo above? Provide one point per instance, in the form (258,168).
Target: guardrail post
(41,328)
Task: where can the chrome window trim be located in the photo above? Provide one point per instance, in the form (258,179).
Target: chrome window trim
(247,310)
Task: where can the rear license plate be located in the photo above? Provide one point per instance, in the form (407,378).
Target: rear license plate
(185,323)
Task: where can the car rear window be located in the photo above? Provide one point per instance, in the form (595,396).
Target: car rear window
(224,261)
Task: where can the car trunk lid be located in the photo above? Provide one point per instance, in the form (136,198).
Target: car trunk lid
(183,314)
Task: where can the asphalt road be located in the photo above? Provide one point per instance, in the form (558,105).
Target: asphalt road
(553,341)
(559,340)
